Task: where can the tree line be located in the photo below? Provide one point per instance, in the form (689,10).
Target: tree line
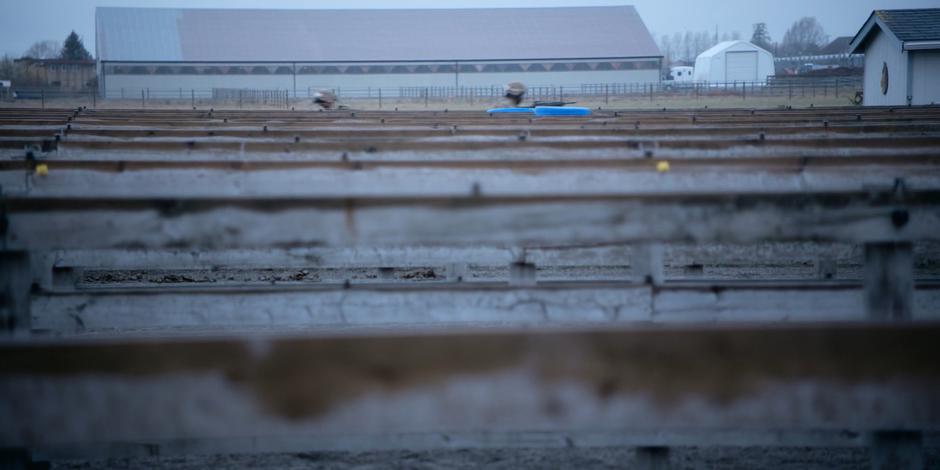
(71,49)
(805,37)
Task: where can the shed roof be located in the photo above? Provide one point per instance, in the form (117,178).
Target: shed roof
(908,26)
(913,25)
(724,46)
(204,35)
(839,45)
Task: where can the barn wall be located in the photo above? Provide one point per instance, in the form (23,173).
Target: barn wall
(926,77)
(531,79)
(168,84)
(885,49)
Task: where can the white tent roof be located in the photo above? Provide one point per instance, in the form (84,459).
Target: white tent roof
(723,46)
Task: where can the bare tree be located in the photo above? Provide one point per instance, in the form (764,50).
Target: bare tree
(805,37)
(677,46)
(18,73)
(47,49)
(665,46)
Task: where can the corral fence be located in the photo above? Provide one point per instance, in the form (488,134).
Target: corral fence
(790,87)
(782,87)
(279,98)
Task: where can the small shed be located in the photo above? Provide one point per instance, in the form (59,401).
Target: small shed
(902,57)
(734,61)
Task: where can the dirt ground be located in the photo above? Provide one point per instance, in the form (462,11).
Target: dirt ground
(682,458)
(594,102)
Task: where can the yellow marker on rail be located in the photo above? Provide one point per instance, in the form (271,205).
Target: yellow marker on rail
(42,169)
(662,166)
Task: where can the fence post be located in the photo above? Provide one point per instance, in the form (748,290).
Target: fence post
(193,97)
(425,97)
(240,99)
(607,94)
(143,101)
(837,87)
(94,99)
(42,93)
(380,98)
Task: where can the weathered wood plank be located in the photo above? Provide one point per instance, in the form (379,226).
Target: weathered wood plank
(619,179)
(43,224)
(185,310)
(859,378)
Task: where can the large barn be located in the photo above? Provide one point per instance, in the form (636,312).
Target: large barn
(299,50)
(902,57)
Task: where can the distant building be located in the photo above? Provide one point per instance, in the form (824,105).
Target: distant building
(902,57)
(61,74)
(734,61)
(834,58)
(681,73)
(297,50)
(837,46)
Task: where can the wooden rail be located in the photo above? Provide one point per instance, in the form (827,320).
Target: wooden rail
(450,362)
(351,391)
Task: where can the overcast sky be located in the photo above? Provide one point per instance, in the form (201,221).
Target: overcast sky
(23,22)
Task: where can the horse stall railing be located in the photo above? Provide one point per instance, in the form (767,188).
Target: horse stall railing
(516,359)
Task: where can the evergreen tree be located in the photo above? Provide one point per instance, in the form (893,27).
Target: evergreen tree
(761,37)
(74,49)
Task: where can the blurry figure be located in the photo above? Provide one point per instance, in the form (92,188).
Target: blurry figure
(326,99)
(515,91)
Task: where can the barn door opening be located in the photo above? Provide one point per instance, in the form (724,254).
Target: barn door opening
(741,66)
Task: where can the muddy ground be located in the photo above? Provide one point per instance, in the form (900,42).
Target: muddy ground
(682,458)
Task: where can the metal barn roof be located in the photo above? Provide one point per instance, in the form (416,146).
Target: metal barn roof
(202,35)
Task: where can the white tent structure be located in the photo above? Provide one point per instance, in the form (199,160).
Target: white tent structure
(734,61)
